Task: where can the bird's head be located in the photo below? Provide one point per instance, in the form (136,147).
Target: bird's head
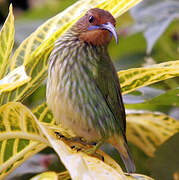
(96,27)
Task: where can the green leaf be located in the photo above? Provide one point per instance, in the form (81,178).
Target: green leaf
(14,79)
(149,130)
(46,176)
(19,137)
(170,98)
(6,41)
(134,78)
(37,71)
(147,19)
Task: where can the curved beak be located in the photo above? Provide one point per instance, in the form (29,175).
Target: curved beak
(109,26)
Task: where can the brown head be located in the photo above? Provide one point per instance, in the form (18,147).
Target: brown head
(96,27)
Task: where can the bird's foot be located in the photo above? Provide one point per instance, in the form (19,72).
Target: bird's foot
(77,148)
(74,139)
(92,152)
(60,136)
(78,144)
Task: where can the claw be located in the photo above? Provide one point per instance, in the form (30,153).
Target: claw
(79,149)
(102,158)
(72,147)
(59,135)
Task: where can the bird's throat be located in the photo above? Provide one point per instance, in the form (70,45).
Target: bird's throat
(96,37)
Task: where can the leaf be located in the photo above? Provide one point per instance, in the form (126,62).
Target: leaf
(81,166)
(65,176)
(14,79)
(138,177)
(153,17)
(141,95)
(19,129)
(46,176)
(134,78)
(34,51)
(99,169)
(170,98)
(36,164)
(19,137)
(165,162)
(6,41)
(37,71)
(148,130)
(45,116)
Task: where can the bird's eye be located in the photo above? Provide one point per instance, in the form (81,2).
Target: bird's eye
(91,19)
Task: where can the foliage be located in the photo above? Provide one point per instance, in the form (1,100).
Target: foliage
(154,18)
(25,131)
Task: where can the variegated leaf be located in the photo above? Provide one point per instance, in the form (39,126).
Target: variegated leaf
(148,130)
(48,176)
(6,41)
(134,78)
(37,71)
(81,166)
(65,176)
(14,79)
(19,137)
(141,126)
(20,128)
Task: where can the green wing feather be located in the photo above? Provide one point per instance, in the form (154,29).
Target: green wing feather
(107,82)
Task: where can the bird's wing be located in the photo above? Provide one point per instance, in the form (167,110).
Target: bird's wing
(106,80)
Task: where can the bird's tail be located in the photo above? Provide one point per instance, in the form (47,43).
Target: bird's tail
(121,145)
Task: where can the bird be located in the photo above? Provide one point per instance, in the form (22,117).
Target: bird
(83,88)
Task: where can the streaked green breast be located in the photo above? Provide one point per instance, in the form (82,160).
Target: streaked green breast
(73,68)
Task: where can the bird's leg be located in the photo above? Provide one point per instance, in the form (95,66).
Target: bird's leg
(81,145)
(95,148)
(92,150)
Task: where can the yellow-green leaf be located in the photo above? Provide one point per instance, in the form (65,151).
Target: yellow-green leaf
(6,41)
(47,120)
(65,176)
(14,79)
(19,129)
(134,78)
(138,177)
(148,130)
(81,166)
(144,129)
(37,71)
(46,176)
(19,137)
